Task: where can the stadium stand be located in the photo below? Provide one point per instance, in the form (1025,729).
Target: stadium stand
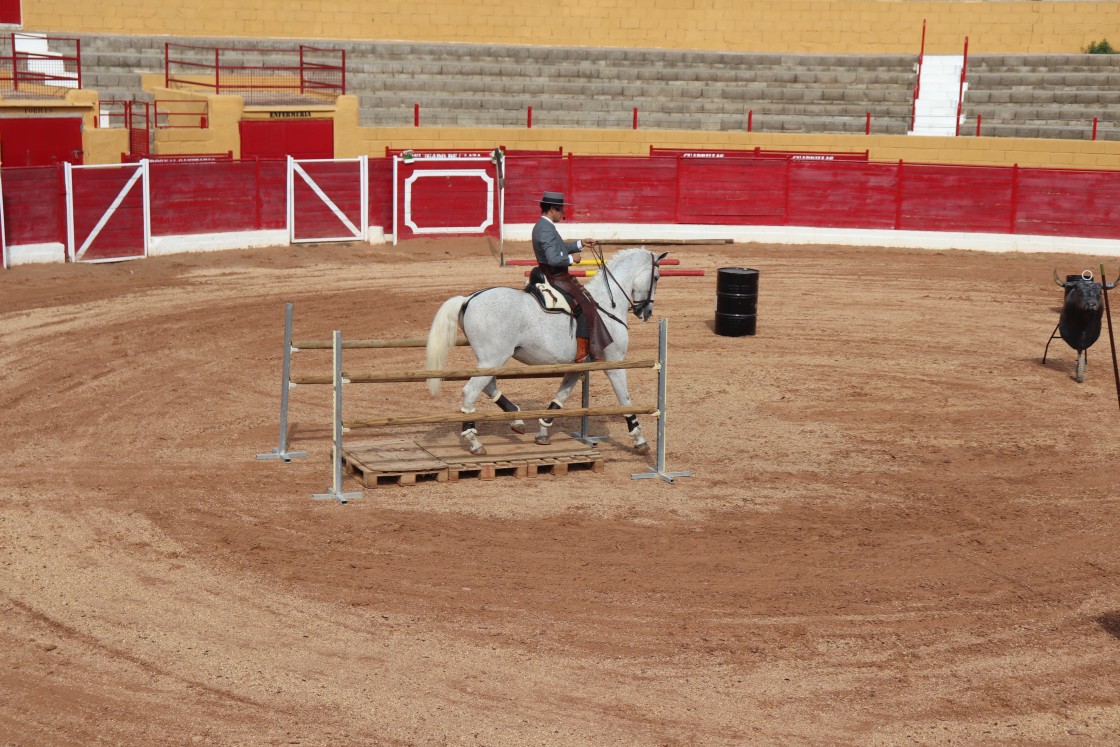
(1043,96)
(472,85)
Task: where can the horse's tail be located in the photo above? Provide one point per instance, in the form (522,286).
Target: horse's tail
(441,337)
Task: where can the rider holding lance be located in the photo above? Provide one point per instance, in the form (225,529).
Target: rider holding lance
(554,256)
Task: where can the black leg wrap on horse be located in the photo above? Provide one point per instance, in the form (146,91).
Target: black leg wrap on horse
(468,425)
(553,405)
(631,422)
(507,406)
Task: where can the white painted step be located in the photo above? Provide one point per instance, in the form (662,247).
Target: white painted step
(935,111)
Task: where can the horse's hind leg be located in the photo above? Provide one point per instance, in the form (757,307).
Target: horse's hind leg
(491,390)
(618,383)
(471,390)
(566,386)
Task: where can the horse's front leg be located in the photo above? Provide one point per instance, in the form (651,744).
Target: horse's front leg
(471,390)
(557,402)
(618,383)
(503,402)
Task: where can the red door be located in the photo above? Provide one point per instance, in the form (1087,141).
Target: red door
(40,141)
(307,138)
(9,12)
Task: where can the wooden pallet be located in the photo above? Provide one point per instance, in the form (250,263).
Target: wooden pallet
(391,462)
(401,462)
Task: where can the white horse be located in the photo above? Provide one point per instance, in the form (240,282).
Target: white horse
(504,323)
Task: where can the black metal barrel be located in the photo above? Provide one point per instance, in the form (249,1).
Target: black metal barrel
(736,301)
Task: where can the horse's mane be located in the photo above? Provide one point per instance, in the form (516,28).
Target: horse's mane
(623,253)
(616,260)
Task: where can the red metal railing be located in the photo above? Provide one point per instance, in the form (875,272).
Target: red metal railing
(135,116)
(112,113)
(37,65)
(918,82)
(272,76)
(182,113)
(960,87)
(1076,128)
(139,128)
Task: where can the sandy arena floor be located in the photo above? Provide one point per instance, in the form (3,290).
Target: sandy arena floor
(901,528)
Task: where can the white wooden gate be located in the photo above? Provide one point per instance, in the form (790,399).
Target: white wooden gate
(328,199)
(108,212)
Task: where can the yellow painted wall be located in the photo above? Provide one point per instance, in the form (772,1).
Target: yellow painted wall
(351,139)
(967,150)
(817,26)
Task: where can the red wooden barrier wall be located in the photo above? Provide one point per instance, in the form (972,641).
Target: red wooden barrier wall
(221,196)
(381,192)
(217,196)
(1056,202)
(34,205)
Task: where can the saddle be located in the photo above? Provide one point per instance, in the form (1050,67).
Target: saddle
(552,299)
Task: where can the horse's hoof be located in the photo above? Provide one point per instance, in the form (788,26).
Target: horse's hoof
(480,451)
(642,448)
(543,441)
(517,426)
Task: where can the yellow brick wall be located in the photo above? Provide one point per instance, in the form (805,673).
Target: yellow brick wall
(351,139)
(978,151)
(817,26)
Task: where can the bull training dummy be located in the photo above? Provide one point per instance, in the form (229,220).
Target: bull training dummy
(554,256)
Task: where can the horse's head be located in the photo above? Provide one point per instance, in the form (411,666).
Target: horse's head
(644,287)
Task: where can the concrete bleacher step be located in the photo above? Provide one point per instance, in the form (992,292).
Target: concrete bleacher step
(493,85)
(1051,96)
(637,92)
(1052,132)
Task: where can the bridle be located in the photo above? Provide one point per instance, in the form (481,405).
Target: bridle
(642,309)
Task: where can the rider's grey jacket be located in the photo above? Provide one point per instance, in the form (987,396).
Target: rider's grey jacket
(549,247)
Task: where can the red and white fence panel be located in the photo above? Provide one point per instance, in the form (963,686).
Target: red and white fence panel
(328,199)
(445,195)
(108,213)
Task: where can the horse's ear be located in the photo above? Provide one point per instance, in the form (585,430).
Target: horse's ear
(660,257)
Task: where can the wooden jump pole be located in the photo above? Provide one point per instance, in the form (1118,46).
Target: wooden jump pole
(413,342)
(486,417)
(462,374)
(666,242)
(583,262)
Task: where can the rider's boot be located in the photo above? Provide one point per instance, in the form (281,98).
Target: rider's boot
(583,350)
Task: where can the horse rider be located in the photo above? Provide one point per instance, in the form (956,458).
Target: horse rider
(554,256)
